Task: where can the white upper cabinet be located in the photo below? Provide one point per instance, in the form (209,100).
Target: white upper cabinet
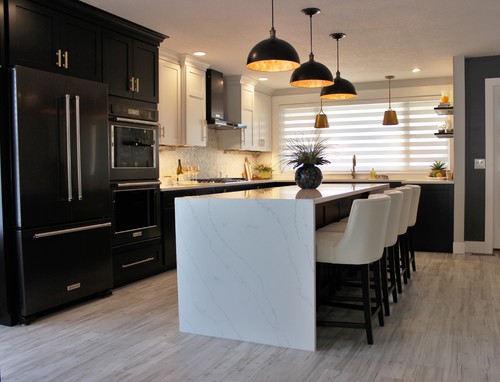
(262,121)
(182,103)
(170,103)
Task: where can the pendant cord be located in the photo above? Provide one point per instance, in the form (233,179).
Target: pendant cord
(389,94)
(338,56)
(311,31)
(272,14)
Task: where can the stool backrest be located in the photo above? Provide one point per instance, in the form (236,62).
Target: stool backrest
(405,210)
(414,204)
(364,238)
(391,236)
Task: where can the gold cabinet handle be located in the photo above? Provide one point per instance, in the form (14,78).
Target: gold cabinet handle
(138,262)
(59,58)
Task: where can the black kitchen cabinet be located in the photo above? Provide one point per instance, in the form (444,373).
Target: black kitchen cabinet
(168,224)
(43,38)
(137,261)
(433,231)
(130,67)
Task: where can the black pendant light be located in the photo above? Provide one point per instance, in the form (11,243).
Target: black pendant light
(321,120)
(311,74)
(390,117)
(341,88)
(273,54)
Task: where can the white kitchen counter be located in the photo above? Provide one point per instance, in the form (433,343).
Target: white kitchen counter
(246,263)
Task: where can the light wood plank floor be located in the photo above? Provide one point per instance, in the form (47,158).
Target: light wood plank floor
(445,328)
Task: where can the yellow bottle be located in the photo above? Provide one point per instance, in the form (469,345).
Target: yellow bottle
(372,174)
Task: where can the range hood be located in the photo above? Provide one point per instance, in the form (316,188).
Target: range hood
(215,103)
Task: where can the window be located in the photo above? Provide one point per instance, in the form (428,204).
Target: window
(356,129)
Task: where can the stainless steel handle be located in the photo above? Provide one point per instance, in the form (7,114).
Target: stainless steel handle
(137,85)
(68,146)
(162,131)
(243,137)
(132,84)
(66,58)
(138,184)
(78,148)
(137,121)
(59,59)
(138,262)
(70,230)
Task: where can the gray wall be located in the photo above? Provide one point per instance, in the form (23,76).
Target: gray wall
(476,71)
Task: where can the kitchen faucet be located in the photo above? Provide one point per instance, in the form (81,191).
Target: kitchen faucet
(353,171)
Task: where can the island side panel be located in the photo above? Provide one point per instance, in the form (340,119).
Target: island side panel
(246,270)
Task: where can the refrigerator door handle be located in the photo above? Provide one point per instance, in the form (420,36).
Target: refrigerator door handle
(71,230)
(68,146)
(78,147)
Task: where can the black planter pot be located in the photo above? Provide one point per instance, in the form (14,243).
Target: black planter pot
(308,176)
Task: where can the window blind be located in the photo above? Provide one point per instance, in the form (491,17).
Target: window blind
(356,129)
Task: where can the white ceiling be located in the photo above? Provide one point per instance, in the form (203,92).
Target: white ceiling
(383,36)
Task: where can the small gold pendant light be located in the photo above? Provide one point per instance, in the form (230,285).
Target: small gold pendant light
(321,121)
(390,117)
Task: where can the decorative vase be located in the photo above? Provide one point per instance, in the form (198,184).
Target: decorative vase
(308,176)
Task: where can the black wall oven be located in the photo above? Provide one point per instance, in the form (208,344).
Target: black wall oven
(136,212)
(134,142)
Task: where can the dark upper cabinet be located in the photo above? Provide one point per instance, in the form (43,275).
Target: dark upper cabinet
(130,67)
(46,39)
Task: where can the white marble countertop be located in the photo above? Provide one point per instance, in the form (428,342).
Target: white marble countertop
(323,193)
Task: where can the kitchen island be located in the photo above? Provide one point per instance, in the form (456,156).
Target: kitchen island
(246,262)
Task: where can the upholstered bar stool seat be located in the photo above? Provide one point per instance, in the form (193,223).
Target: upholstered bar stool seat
(361,244)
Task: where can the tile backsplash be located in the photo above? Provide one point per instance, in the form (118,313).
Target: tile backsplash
(212,161)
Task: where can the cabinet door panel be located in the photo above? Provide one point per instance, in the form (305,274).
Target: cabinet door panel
(32,36)
(170,103)
(196,129)
(117,64)
(145,66)
(81,41)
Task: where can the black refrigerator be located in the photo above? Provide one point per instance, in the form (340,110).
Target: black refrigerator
(61,195)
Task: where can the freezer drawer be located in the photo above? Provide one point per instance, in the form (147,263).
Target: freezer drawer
(62,264)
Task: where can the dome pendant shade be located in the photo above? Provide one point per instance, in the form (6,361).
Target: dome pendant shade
(321,121)
(273,55)
(311,74)
(341,88)
(390,117)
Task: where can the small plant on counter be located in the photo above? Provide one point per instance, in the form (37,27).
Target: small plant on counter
(438,169)
(305,151)
(264,171)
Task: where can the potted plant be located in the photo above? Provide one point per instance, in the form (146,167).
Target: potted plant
(264,171)
(305,153)
(438,169)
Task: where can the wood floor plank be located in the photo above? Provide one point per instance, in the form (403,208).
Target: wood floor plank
(444,328)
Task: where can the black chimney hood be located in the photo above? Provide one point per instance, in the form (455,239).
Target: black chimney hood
(215,103)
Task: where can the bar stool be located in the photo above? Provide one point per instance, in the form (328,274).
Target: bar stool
(402,247)
(391,239)
(360,245)
(412,220)
(387,261)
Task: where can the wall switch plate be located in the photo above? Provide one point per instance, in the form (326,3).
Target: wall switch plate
(479,164)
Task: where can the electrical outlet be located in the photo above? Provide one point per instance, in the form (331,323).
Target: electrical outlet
(479,164)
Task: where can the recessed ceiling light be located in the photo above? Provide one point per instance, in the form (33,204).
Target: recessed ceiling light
(199,53)
(416,70)
(263,79)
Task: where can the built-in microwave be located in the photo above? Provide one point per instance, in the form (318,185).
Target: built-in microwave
(134,143)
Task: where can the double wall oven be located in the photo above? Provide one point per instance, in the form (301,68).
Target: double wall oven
(135,189)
